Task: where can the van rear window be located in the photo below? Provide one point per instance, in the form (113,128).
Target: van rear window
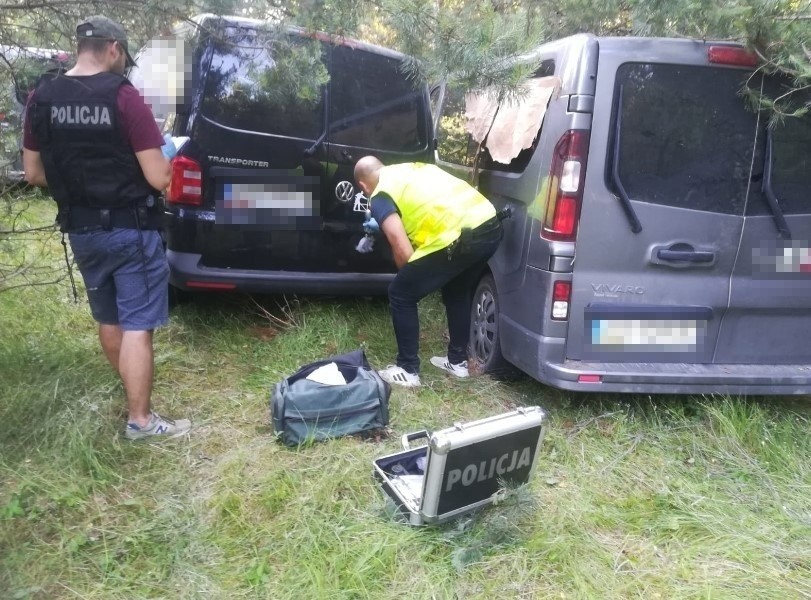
(687,136)
(239,91)
(372,104)
(791,148)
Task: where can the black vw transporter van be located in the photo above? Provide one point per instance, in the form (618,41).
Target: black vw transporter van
(262,197)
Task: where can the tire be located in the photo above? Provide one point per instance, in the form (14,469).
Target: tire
(178,296)
(485,345)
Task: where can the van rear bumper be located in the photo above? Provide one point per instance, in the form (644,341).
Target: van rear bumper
(682,378)
(543,359)
(186,268)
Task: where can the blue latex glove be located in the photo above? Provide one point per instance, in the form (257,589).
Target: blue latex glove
(370,225)
(168,149)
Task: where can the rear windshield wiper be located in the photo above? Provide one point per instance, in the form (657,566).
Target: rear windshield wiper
(356,118)
(316,145)
(771,198)
(630,213)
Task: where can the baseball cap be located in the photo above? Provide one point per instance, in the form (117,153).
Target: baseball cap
(100,27)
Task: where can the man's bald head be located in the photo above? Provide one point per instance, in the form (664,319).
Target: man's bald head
(367,173)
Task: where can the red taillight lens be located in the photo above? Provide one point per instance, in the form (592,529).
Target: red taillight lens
(565,216)
(730,55)
(186,186)
(562,291)
(561,295)
(564,193)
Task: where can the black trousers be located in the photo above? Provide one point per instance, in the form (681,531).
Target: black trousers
(456,277)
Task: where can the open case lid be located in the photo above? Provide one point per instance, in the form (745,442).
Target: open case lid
(475,459)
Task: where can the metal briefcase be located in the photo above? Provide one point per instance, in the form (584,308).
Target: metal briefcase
(463,467)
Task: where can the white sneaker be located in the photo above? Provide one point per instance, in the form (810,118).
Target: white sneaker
(399,376)
(459,370)
(158,427)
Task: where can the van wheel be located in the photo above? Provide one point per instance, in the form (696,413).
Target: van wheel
(485,346)
(178,296)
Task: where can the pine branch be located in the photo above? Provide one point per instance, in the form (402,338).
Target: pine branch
(54,4)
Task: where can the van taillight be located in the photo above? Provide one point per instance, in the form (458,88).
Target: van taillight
(186,186)
(561,296)
(564,193)
(731,55)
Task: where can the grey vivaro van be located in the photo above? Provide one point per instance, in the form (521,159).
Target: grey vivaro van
(661,224)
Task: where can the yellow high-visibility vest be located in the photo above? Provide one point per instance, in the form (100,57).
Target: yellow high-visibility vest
(434,205)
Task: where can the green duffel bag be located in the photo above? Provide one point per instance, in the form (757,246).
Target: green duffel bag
(304,410)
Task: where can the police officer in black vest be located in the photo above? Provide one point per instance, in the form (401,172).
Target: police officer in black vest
(91,138)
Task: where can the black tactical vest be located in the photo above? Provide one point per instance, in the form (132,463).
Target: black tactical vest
(88,165)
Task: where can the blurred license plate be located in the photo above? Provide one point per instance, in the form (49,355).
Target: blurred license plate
(284,201)
(647,333)
(268,196)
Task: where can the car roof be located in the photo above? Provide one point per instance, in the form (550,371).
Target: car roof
(634,43)
(577,75)
(201,19)
(12,53)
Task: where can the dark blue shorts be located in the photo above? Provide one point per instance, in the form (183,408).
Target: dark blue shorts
(126,276)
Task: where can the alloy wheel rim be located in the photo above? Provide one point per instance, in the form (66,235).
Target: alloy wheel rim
(484,326)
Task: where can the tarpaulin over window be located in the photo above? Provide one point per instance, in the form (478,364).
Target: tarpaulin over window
(512,126)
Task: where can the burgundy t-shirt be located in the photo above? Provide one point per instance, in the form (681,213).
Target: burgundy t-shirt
(138,127)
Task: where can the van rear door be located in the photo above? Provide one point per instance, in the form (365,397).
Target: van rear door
(300,151)
(258,134)
(375,109)
(663,207)
(769,316)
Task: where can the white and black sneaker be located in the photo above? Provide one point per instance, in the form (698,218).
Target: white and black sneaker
(399,376)
(443,363)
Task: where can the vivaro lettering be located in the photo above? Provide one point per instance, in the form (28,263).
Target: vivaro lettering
(80,115)
(609,289)
(487,469)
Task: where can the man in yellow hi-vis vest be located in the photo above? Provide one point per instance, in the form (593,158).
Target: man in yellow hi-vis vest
(442,232)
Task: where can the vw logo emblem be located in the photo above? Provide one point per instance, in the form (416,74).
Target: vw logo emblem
(344,191)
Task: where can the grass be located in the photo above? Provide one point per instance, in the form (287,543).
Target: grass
(635,496)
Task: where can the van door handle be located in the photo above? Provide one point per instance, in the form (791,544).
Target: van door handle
(693,256)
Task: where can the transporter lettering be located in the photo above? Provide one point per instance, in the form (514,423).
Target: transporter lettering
(80,114)
(238,161)
(487,469)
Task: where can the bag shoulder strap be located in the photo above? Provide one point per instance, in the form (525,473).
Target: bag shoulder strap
(354,359)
